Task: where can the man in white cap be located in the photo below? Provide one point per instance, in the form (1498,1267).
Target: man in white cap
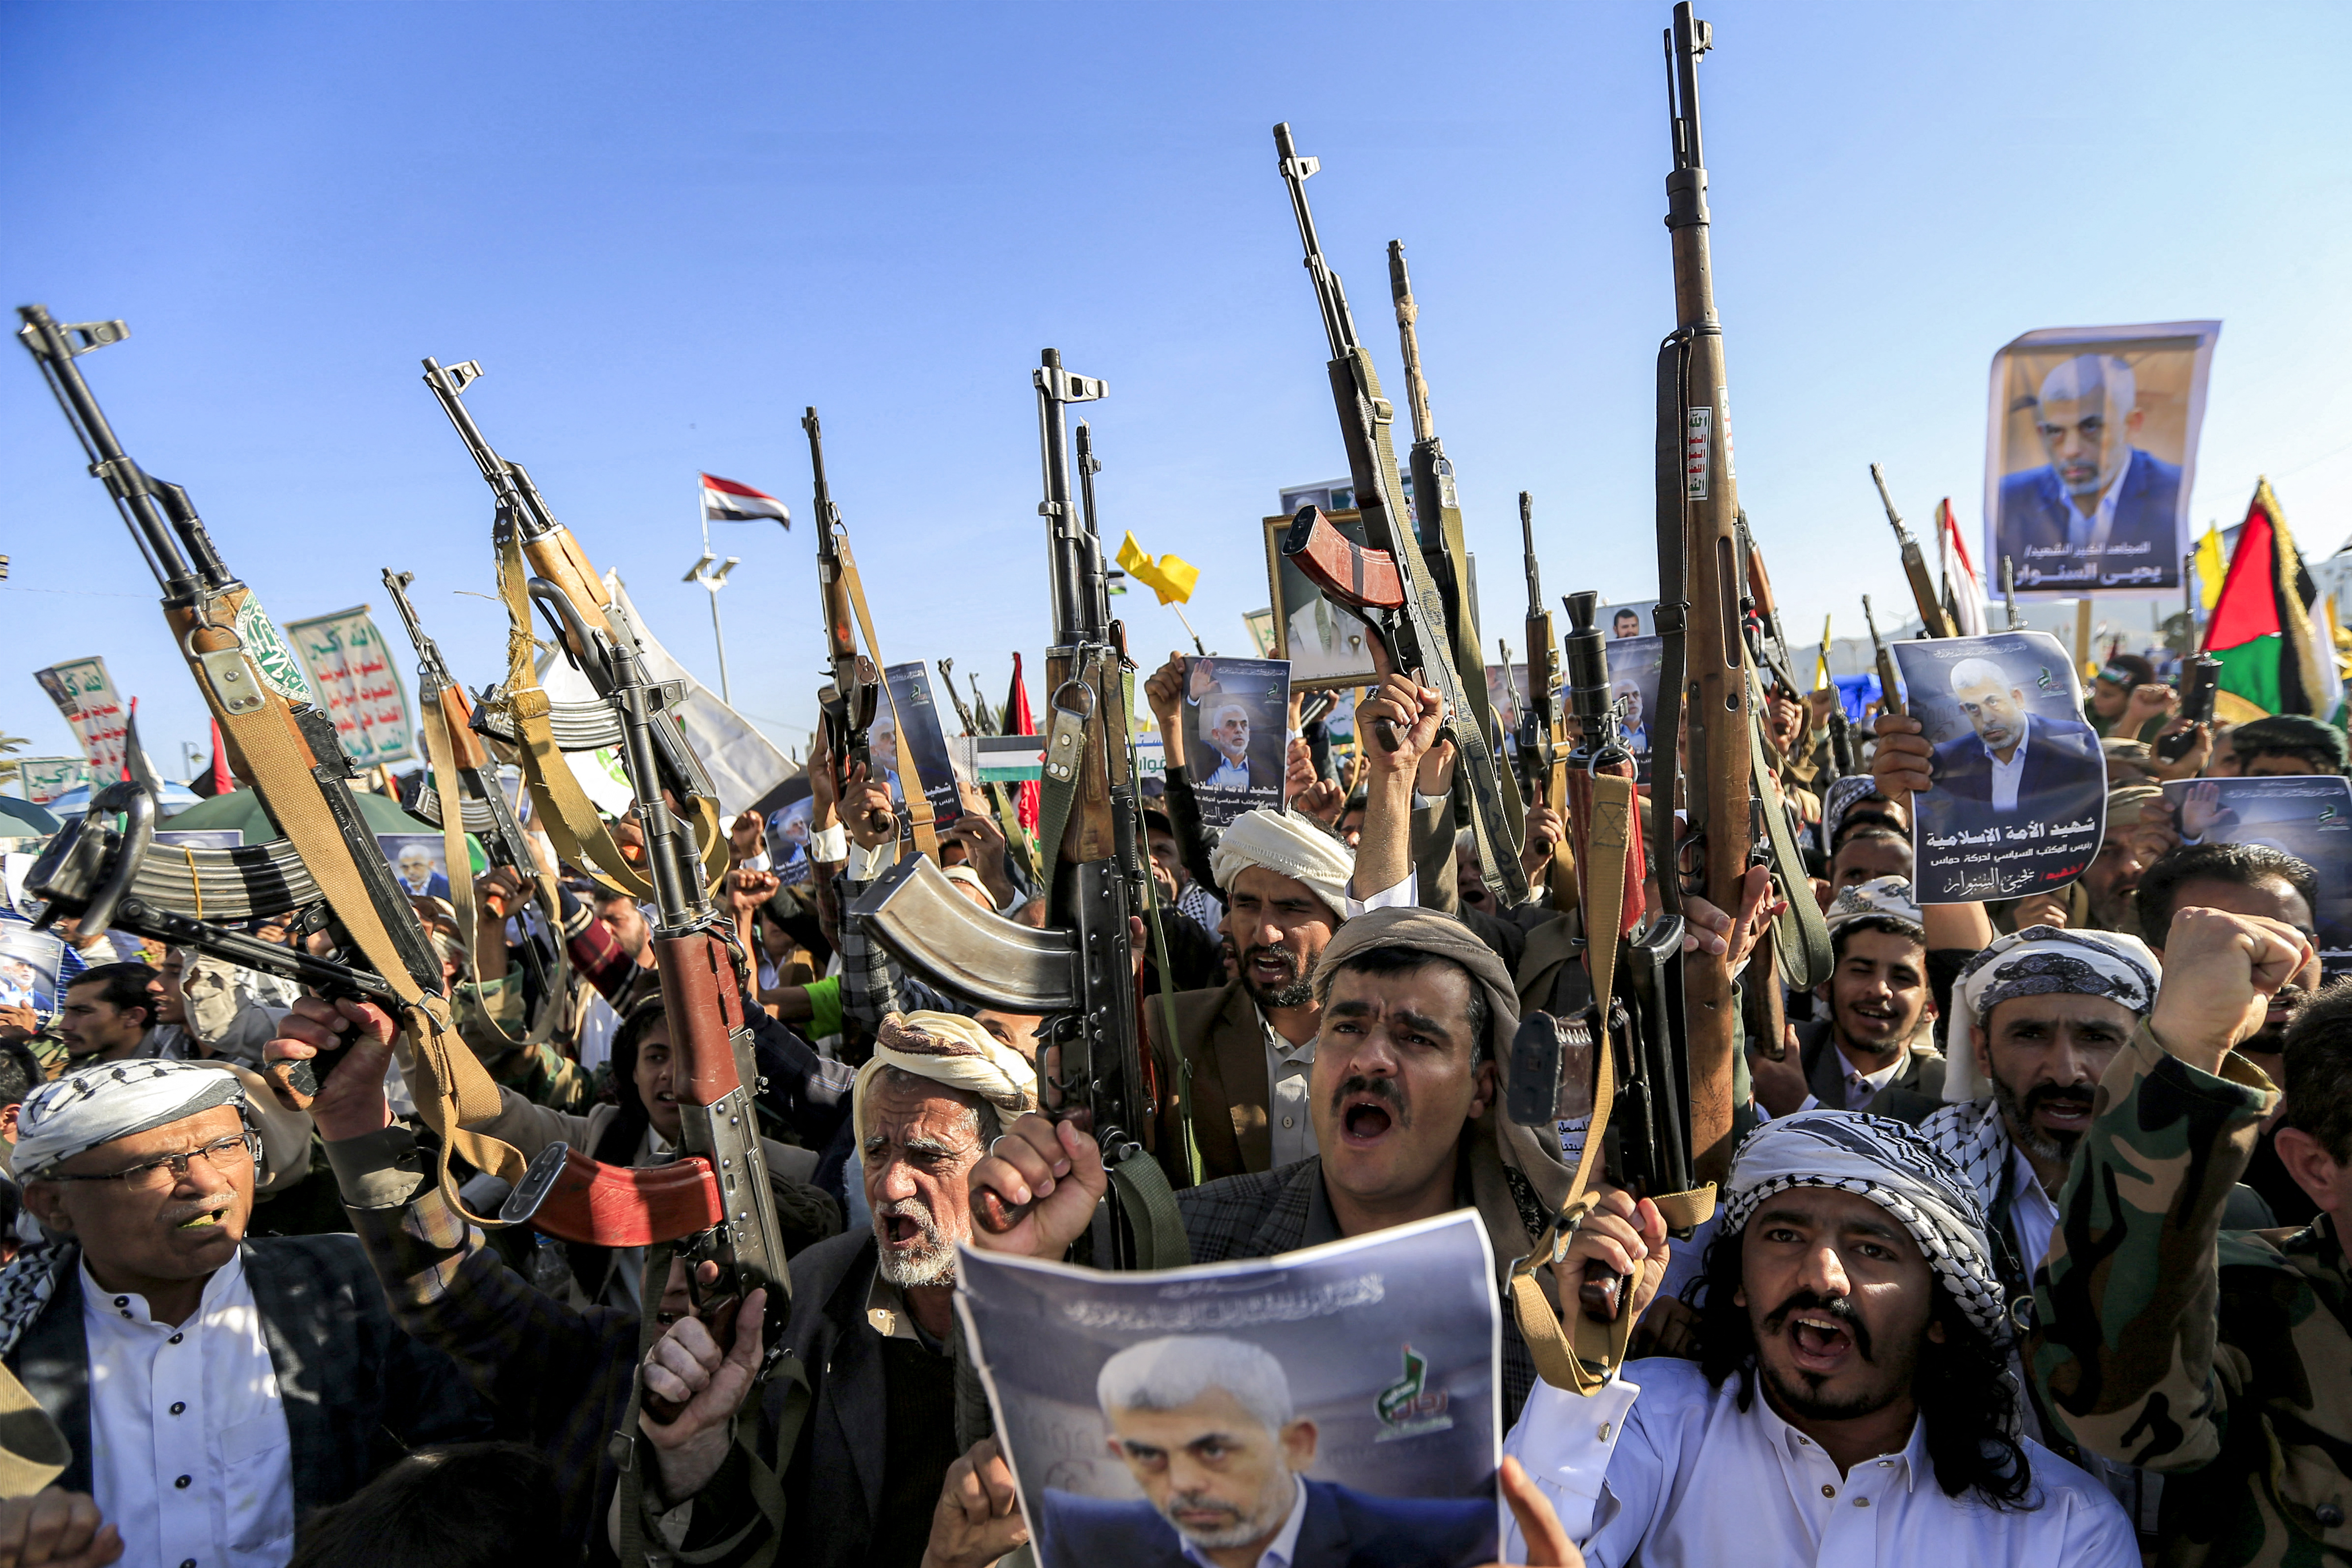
(239,1384)
(1248,1047)
(1848,1403)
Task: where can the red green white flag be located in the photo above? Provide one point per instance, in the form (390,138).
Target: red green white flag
(2261,625)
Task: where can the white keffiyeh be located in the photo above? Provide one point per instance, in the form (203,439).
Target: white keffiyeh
(1895,1168)
(1882,897)
(1290,845)
(76,1113)
(949,1048)
(2041,961)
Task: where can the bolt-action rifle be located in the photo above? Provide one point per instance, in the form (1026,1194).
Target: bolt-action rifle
(1915,566)
(1388,580)
(846,701)
(1841,758)
(1543,761)
(1890,700)
(1077,971)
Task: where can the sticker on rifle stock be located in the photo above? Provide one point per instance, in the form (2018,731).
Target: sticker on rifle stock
(266,646)
(1698,435)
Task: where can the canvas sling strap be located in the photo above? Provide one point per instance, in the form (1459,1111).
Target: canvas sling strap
(1585,1356)
(1802,937)
(450,1084)
(1559,883)
(440,753)
(572,823)
(919,800)
(635,1524)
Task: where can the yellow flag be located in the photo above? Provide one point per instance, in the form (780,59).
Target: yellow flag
(1821,658)
(2210,568)
(1171,576)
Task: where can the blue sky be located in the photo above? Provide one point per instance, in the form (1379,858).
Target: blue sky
(664,229)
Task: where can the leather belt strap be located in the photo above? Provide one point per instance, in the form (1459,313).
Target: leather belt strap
(1802,936)
(919,800)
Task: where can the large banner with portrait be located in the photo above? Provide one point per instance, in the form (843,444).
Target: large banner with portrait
(1325,1399)
(2308,817)
(2020,793)
(2090,454)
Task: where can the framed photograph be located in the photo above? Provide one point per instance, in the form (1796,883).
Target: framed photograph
(1326,645)
(2090,454)
(1237,716)
(2020,793)
(1350,1391)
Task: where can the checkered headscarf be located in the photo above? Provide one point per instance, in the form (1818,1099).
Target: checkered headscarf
(1893,1166)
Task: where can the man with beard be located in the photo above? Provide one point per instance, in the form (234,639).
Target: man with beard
(2169,1338)
(865,1436)
(2012,766)
(2247,879)
(1248,1046)
(1206,1426)
(1876,1035)
(1851,1284)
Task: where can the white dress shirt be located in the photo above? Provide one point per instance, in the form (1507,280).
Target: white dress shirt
(2033,1213)
(2006,775)
(1288,1068)
(1229,774)
(1673,1474)
(1278,1552)
(2083,531)
(1861,1088)
(190,1455)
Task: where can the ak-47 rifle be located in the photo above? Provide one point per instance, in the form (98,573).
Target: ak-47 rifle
(463,767)
(1889,698)
(531,542)
(1389,582)
(1915,566)
(1841,728)
(845,702)
(1437,525)
(284,749)
(1077,971)
(1543,761)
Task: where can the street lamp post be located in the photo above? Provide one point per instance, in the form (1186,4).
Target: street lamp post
(700,572)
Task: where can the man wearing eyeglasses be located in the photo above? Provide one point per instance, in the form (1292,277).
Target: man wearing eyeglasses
(245,1383)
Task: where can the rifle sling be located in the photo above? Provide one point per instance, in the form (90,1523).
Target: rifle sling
(1584,1356)
(918,799)
(1802,936)
(451,1086)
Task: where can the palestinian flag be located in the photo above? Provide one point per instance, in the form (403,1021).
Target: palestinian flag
(2261,625)
(1018,721)
(724,501)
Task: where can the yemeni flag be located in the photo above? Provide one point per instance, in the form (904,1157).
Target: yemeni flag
(2261,625)
(1019,720)
(724,501)
(1964,594)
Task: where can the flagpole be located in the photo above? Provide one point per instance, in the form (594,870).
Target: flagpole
(712,582)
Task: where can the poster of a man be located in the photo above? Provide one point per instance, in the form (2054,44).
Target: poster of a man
(2309,817)
(2018,783)
(416,862)
(1627,620)
(1208,1428)
(2091,453)
(28,969)
(1634,667)
(1240,709)
(1334,1407)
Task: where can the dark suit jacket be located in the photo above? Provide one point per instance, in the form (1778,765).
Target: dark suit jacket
(358,1392)
(1922,1074)
(2065,774)
(1343,1528)
(2035,511)
(1219,1038)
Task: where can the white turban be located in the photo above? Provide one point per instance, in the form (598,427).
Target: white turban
(1882,898)
(2041,961)
(115,1099)
(1893,1166)
(952,1050)
(1290,847)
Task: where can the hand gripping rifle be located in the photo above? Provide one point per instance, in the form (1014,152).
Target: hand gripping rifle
(465,767)
(1932,613)
(1078,971)
(1390,583)
(1543,761)
(1640,1073)
(1437,528)
(285,750)
(532,543)
(846,701)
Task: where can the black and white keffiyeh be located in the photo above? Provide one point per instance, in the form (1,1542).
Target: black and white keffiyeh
(1893,1166)
(1881,898)
(2041,961)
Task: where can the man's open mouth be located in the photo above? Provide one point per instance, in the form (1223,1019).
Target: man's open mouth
(1365,1117)
(2064,1113)
(1822,1341)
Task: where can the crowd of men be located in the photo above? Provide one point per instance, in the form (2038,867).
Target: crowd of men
(2030,1249)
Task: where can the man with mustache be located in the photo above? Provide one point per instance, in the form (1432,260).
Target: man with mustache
(2101,501)
(2270,884)
(2173,1340)
(1848,1403)
(207,1389)
(1206,1426)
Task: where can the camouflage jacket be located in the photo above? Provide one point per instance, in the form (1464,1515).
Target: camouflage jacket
(490,1018)
(2223,1358)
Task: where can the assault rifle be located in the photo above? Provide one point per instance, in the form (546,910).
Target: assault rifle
(464,766)
(846,701)
(1842,757)
(1078,971)
(1389,582)
(1915,566)
(1543,761)
(1889,698)
(284,748)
